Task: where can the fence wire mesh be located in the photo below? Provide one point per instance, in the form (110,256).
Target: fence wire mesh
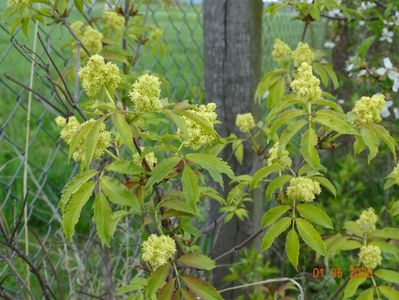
(79,269)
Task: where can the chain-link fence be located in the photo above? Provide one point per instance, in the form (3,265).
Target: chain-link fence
(79,269)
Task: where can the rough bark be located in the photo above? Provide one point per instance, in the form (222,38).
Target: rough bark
(232,41)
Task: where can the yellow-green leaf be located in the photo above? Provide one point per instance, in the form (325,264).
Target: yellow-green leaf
(124,130)
(389,292)
(387,275)
(274,231)
(102,215)
(273,214)
(162,170)
(308,148)
(196,261)
(292,248)
(311,236)
(118,193)
(73,186)
(201,288)
(190,186)
(157,279)
(74,208)
(315,215)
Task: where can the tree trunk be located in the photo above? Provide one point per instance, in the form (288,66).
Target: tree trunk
(232,41)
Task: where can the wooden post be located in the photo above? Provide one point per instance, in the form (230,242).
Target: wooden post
(232,46)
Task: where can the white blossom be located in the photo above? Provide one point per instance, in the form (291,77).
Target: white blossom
(385,111)
(391,72)
(329,45)
(386,35)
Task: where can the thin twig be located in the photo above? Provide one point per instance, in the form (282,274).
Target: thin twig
(73,102)
(36,94)
(240,245)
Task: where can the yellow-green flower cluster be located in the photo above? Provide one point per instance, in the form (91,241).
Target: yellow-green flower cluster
(370,256)
(367,220)
(114,22)
(245,122)
(150,158)
(302,53)
(17,2)
(97,74)
(145,94)
(306,85)
(275,157)
(303,189)
(70,128)
(368,109)
(281,51)
(197,136)
(156,250)
(89,37)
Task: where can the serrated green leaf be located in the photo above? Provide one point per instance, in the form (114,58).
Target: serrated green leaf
(178,205)
(124,130)
(285,117)
(315,215)
(90,142)
(308,148)
(196,261)
(366,295)
(274,231)
(276,93)
(352,286)
(201,288)
(73,186)
(311,236)
(190,186)
(318,68)
(125,167)
(387,233)
(292,248)
(102,214)
(263,172)
(387,275)
(118,193)
(166,292)
(290,132)
(280,107)
(157,279)
(162,170)
(332,104)
(384,134)
(137,283)
(179,121)
(276,183)
(238,149)
(330,71)
(74,208)
(210,163)
(273,214)
(389,292)
(353,228)
(116,217)
(371,140)
(333,120)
